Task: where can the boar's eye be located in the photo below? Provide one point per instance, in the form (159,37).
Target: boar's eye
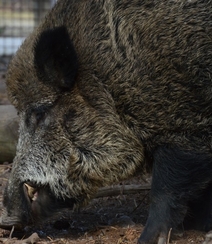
(39,115)
(36,115)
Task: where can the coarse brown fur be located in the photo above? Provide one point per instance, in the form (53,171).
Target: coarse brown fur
(126,78)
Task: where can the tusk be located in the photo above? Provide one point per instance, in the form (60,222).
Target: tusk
(31,191)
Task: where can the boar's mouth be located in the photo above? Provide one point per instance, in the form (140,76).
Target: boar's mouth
(43,202)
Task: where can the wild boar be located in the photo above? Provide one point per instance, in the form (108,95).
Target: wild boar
(105,89)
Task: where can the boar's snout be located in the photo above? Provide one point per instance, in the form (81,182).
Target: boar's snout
(7,222)
(30,204)
(16,207)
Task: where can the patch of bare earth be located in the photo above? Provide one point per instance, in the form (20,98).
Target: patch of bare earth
(111,220)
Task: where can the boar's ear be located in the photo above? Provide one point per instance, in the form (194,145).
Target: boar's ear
(55,58)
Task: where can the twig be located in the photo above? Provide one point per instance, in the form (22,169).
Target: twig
(121,189)
(11,232)
(140,203)
(169,235)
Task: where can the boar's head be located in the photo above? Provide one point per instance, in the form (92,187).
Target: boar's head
(71,139)
(36,187)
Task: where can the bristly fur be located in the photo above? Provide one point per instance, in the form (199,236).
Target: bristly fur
(101,84)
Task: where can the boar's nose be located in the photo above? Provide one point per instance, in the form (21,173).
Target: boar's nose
(7,222)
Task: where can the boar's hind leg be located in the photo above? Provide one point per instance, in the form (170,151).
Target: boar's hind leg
(179,177)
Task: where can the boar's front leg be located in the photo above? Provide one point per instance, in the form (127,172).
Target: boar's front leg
(179,177)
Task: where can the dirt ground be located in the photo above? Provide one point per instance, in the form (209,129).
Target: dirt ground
(107,220)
